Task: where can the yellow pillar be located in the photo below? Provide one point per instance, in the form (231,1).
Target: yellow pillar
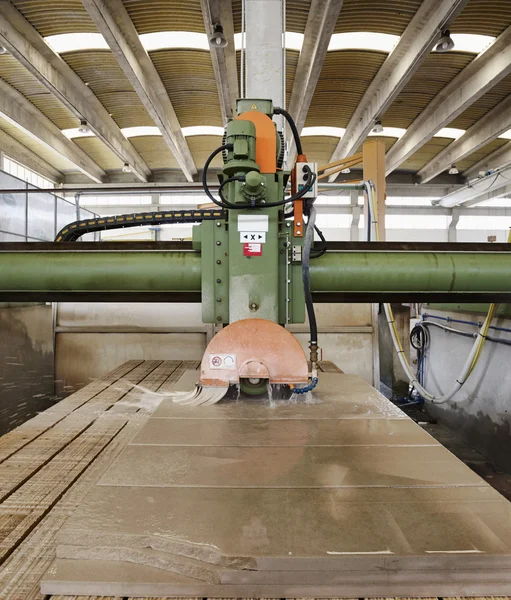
(373,157)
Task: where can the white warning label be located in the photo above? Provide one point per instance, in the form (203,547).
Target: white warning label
(222,361)
(252,236)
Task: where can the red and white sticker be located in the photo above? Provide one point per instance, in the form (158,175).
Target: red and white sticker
(222,361)
(252,249)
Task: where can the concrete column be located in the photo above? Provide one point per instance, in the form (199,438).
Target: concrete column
(264,55)
(451,233)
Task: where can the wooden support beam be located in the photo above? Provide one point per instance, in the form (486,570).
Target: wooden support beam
(374,170)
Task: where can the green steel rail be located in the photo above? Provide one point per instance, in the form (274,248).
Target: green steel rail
(117,272)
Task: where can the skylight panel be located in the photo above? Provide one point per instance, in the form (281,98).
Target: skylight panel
(129,132)
(363,40)
(328,131)
(202,130)
(160,40)
(450,132)
(471,42)
(70,42)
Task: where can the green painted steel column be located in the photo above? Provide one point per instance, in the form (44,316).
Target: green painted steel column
(112,271)
(411,272)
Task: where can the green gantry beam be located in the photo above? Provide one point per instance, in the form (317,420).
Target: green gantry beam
(176,276)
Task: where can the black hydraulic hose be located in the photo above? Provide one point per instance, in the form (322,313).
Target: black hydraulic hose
(309,238)
(205,173)
(292,126)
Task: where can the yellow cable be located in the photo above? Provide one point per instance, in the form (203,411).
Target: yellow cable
(487,321)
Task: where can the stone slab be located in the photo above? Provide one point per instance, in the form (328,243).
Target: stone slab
(287,529)
(292,467)
(337,396)
(260,498)
(128,579)
(283,432)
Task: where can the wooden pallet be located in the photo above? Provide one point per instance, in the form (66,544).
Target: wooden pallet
(48,465)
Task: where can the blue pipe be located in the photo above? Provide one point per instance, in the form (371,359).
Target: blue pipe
(451,320)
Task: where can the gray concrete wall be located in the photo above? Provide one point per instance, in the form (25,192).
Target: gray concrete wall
(480,413)
(26,363)
(92,339)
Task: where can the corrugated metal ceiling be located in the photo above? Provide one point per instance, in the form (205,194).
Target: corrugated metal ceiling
(189,78)
(344,79)
(162,15)
(51,17)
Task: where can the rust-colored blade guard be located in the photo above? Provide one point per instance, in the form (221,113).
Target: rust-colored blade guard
(253,348)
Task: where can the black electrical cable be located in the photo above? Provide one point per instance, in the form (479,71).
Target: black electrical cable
(226,203)
(222,203)
(205,173)
(292,125)
(419,340)
(323,248)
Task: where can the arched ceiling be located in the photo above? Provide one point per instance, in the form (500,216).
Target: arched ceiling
(188,78)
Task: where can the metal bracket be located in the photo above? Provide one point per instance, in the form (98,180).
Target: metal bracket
(296,254)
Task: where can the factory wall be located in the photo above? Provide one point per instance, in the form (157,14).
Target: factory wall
(92,339)
(480,413)
(26,363)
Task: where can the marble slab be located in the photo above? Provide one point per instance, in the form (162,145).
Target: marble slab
(343,496)
(290,467)
(127,579)
(283,432)
(254,528)
(338,396)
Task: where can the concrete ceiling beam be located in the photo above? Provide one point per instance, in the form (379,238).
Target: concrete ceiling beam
(496,160)
(477,78)
(29,48)
(114,23)
(323,15)
(20,153)
(410,52)
(19,111)
(491,187)
(223,59)
(494,123)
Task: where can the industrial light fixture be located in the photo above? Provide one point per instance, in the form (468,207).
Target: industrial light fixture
(453,170)
(346,170)
(445,43)
(3,50)
(84,127)
(378,127)
(126,168)
(217,39)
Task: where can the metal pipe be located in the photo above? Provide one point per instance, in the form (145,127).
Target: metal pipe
(93,272)
(446,272)
(125,272)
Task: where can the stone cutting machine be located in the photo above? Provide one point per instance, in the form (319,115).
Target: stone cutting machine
(255,261)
